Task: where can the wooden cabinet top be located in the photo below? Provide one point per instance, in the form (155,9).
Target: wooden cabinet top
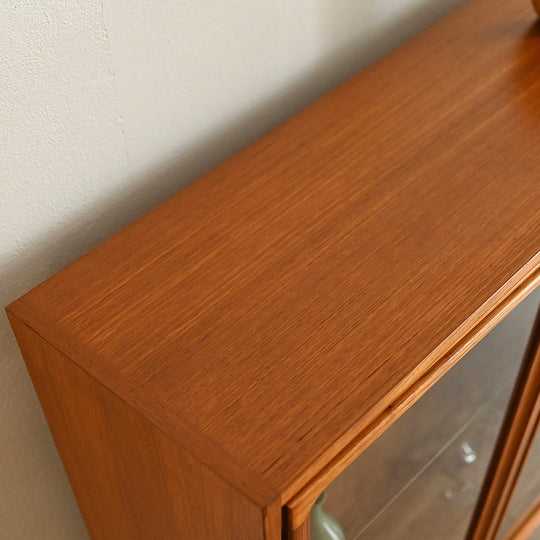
(277,309)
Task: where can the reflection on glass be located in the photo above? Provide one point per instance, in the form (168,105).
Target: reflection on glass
(421,478)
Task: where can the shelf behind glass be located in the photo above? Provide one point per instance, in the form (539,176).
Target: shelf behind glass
(421,478)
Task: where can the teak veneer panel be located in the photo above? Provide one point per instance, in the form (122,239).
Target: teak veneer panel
(270,312)
(132,481)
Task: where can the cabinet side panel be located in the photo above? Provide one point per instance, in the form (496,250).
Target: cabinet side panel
(132,481)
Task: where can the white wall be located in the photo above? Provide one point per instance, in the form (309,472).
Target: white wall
(106,108)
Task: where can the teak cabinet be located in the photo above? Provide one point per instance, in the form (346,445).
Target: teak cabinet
(209,370)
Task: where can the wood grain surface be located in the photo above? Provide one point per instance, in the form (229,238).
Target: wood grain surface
(275,310)
(133,482)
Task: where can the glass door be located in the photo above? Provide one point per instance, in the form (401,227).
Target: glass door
(422,477)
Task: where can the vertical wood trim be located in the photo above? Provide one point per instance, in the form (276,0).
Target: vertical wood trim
(131,480)
(293,531)
(527,524)
(273,526)
(514,441)
(300,533)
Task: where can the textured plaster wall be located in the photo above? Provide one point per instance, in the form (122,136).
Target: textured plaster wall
(106,108)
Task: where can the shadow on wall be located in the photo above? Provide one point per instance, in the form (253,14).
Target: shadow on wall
(55,249)
(362,32)
(351,50)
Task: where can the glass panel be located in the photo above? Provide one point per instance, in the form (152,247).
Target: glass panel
(421,478)
(527,490)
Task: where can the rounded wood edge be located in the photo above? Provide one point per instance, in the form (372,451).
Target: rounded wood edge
(536,5)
